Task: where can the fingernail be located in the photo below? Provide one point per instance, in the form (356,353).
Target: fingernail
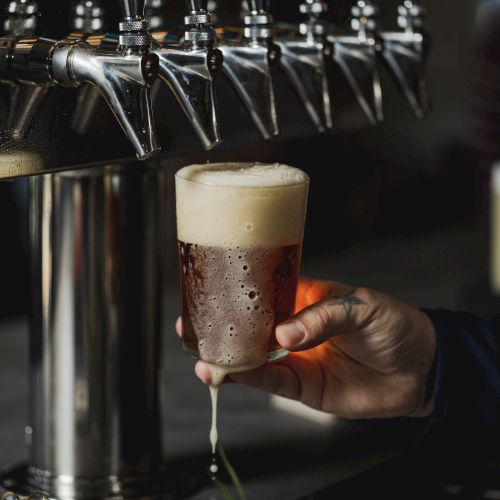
(290,333)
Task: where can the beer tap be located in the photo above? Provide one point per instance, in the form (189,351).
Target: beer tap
(122,76)
(21,20)
(249,60)
(357,55)
(190,69)
(303,58)
(87,22)
(405,53)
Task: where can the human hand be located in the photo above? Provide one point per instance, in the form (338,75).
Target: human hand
(356,353)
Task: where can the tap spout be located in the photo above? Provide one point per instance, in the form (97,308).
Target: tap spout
(21,20)
(304,55)
(24,102)
(122,78)
(190,75)
(304,64)
(357,54)
(249,64)
(358,63)
(249,69)
(190,69)
(405,53)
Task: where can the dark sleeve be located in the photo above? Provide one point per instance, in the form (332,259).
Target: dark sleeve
(467,371)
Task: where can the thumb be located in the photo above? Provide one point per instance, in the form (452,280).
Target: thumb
(335,315)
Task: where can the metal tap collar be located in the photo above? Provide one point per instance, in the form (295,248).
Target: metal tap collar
(200,36)
(134,33)
(364,18)
(315,29)
(134,28)
(313,8)
(22,7)
(21,17)
(199,26)
(199,18)
(88,16)
(364,9)
(257,19)
(258,25)
(411,15)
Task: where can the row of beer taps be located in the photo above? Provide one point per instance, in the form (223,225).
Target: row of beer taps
(123,67)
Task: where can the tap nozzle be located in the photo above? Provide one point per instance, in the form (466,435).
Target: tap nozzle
(190,69)
(122,78)
(357,54)
(405,53)
(304,55)
(21,20)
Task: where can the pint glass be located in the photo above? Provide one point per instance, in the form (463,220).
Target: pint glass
(240,229)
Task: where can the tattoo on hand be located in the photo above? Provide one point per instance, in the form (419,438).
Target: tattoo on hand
(348,301)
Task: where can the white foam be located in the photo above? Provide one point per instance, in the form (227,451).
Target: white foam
(243,174)
(246,204)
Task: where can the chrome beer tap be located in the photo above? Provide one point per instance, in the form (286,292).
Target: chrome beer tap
(357,55)
(405,53)
(21,20)
(87,21)
(303,57)
(190,68)
(249,60)
(122,76)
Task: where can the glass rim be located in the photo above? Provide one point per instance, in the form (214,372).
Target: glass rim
(307,179)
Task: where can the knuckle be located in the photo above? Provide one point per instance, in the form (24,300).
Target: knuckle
(323,316)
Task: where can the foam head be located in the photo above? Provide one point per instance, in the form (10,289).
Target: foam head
(245,204)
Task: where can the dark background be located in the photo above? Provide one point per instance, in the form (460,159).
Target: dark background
(404,177)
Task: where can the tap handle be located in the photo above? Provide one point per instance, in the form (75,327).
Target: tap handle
(21,17)
(313,8)
(133,10)
(364,18)
(88,16)
(258,6)
(411,15)
(197,6)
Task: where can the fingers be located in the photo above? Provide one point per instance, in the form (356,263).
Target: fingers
(203,372)
(298,377)
(178,326)
(345,310)
(277,378)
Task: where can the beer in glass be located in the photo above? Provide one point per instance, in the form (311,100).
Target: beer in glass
(240,230)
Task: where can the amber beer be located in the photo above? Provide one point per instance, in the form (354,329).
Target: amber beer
(240,230)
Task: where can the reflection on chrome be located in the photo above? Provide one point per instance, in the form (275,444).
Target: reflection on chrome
(303,57)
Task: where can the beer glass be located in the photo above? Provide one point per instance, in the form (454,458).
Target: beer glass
(240,229)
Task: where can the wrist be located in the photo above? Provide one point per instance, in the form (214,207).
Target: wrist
(429,380)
